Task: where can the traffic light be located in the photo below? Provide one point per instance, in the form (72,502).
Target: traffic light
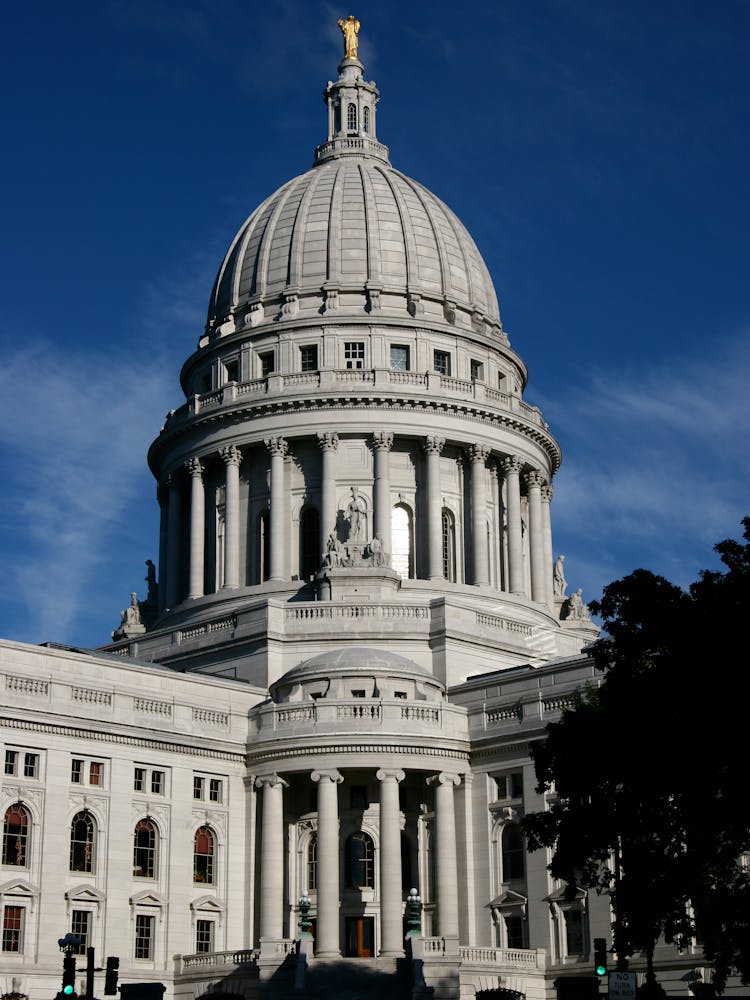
(69,976)
(110,976)
(600,956)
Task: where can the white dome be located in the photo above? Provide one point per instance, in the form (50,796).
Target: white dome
(355,224)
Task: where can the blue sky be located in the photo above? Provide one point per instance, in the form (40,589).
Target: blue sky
(597,151)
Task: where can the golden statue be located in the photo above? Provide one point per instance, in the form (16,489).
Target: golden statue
(350,30)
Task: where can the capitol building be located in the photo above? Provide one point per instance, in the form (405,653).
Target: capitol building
(356,625)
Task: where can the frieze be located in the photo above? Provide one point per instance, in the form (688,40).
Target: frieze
(403,750)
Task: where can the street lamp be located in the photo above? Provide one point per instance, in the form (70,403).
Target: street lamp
(305,924)
(413,914)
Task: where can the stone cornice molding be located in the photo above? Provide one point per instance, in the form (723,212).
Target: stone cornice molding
(390,774)
(231,454)
(330,773)
(443,778)
(328,441)
(406,750)
(276,446)
(122,740)
(433,444)
(382,440)
(194,468)
(511,464)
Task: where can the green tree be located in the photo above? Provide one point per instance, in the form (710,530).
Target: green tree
(649,767)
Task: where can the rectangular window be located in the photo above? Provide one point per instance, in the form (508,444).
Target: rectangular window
(266,363)
(198,783)
(354,354)
(510,786)
(76,771)
(308,358)
(144,936)
(139,779)
(13,929)
(442,362)
(204,936)
(477,370)
(31,765)
(358,693)
(399,358)
(400,694)
(157,782)
(232,370)
(214,790)
(80,925)
(11,761)
(95,773)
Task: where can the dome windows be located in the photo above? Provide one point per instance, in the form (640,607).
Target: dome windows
(441,362)
(399,358)
(351,118)
(366,121)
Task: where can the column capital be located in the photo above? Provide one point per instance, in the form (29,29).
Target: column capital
(479,453)
(331,773)
(534,478)
(390,774)
(327,441)
(231,454)
(432,444)
(547,492)
(511,463)
(444,778)
(271,780)
(194,467)
(382,440)
(277,445)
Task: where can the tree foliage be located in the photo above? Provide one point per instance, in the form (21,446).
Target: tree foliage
(649,767)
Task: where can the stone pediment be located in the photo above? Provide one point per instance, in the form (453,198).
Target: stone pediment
(208,903)
(18,887)
(149,897)
(85,893)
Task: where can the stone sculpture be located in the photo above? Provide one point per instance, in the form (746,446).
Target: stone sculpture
(577,610)
(355,512)
(151,581)
(132,614)
(558,578)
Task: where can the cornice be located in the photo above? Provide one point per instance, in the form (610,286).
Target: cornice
(120,739)
(244,412)
(310,750)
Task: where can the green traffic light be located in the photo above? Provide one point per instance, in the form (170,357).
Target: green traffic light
(601,970)
(68,990)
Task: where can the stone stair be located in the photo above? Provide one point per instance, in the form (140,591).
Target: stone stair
(358,979)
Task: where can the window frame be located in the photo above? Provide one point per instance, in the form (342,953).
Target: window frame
(204,862)
(204,944)
(17,913)
(354,355)
(394,365)
(144,933)
(87,846)
(441,362)
(308,364)
(266,363)
(148,852)
(22,840)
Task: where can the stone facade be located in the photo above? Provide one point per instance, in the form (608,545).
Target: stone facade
(353,636)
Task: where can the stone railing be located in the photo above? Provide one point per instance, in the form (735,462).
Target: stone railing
(374,715)
(517,958)
(355,612)
(433,945)
(211,959)
(507,713)
(558,703)
(421,383)
(503,624)
(27,685)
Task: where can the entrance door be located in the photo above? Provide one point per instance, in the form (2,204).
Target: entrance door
(360,937)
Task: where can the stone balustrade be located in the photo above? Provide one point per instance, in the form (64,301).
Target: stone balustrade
(514,958)
(373,715)
(216,959)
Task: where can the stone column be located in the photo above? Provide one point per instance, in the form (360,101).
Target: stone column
(391,908)
(232,457)
(478,454)
(272,857)
(382,441)
(278,448)
(536,538)
(197,527)
(174,539)
(327,943)
(447,869)
(512,469)
(328,444)
(433,446)
(162,495)
(547,540)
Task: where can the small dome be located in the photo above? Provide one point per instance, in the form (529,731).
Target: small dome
(357,658)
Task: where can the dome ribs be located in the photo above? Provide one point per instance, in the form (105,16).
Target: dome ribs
(299,230)
(315,236)
(441,251)
(262,282)
(372,226)
(407,229)
(353,227)
(333,271)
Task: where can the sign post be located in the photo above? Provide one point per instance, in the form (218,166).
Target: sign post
(622,986)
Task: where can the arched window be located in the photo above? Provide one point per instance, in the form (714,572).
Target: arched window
(263,543)
(203,856)
(82,833)
(351,118)
(366,118)
(449,545)
(360,861)
(401,541)
(16,836)
(513,853)
(144,849)
(309,543)
(312,864)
